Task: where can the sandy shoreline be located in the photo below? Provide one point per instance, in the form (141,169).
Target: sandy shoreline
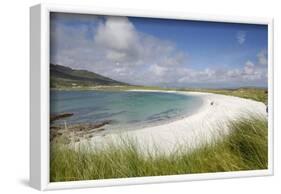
(211,118)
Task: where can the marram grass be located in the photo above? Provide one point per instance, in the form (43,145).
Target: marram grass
(245,148)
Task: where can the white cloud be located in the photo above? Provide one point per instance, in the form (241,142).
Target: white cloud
(233,73)
(241,37)
(262,57)
(249,68)
(116,33)
(254,71)
(157,70)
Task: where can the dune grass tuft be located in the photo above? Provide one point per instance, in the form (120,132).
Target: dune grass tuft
(245,148)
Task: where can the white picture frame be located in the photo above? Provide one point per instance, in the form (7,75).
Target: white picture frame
(39,96)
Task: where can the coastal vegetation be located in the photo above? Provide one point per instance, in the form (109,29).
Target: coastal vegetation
(245,148)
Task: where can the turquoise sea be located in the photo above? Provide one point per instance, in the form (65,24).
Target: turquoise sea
(123,109)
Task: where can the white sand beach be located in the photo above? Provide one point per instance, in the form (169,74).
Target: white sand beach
(210,119)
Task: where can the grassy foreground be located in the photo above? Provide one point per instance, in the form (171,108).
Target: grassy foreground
(245,148)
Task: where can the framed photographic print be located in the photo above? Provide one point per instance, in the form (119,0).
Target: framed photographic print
(124,97)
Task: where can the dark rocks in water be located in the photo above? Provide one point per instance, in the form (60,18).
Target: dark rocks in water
(101,124)
(83,127)
(78,130)
(60,116)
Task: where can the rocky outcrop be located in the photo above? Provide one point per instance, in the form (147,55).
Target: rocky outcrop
(67,133)
(60,116)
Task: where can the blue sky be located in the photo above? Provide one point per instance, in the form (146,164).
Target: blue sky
(162,52)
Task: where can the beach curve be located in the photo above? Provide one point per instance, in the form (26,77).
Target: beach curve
(211,118)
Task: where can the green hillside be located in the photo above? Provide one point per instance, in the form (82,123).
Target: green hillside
(63,77)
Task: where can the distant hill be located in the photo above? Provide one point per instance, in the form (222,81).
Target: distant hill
(62,76)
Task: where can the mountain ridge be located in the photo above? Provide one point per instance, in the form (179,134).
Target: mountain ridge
(62,76)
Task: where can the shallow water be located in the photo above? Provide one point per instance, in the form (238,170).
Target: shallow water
(125,109)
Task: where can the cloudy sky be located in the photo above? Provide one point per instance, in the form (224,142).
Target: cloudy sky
(172,53)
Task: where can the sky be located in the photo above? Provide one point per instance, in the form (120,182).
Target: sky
(161,52)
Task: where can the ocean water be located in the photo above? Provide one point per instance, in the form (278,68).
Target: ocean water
(124,109)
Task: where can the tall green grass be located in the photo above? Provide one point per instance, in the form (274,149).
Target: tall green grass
(245,148)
